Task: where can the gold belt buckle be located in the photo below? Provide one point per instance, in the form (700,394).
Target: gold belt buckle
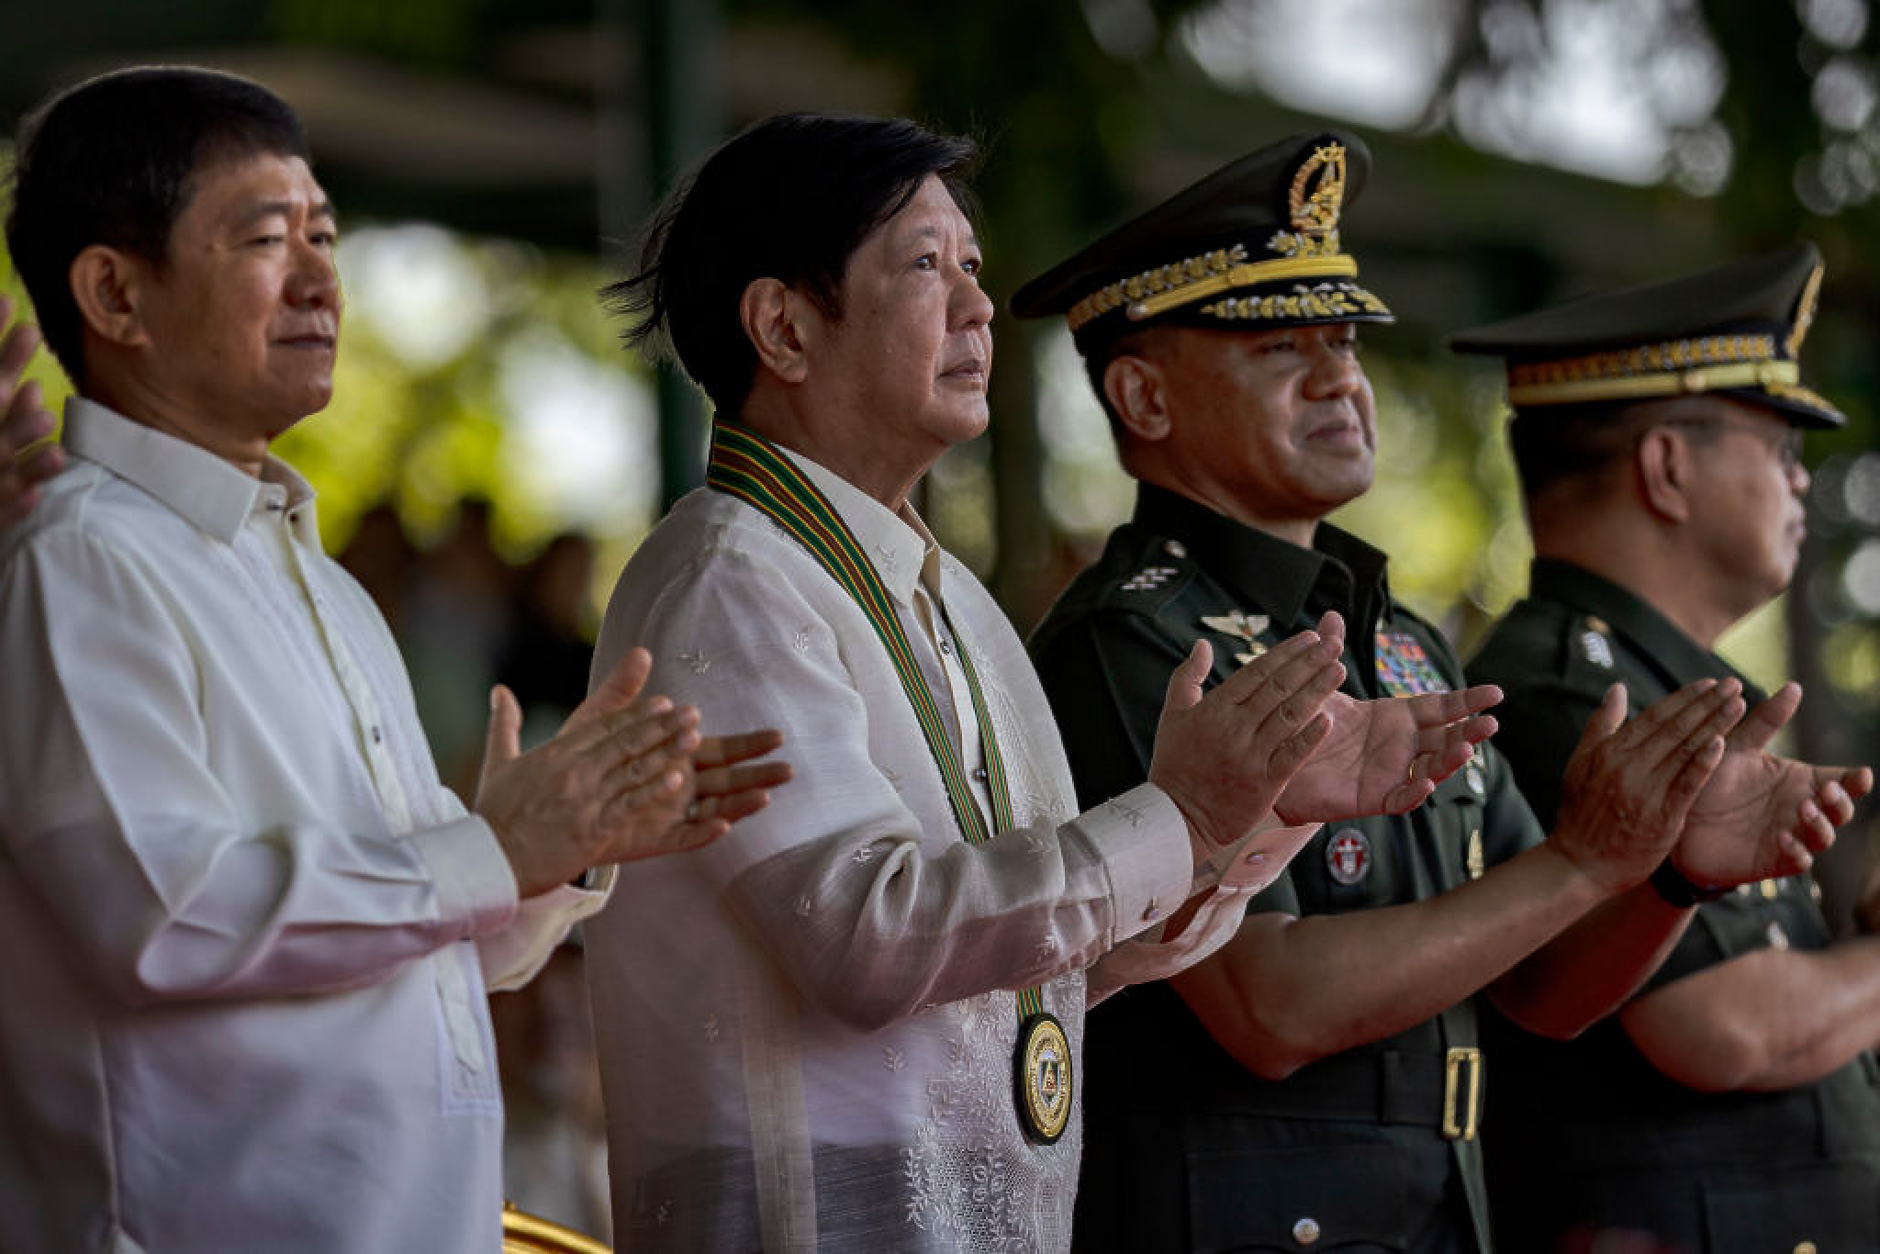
(1461,1124)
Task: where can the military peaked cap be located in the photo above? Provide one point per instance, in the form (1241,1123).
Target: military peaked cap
(1252,246)
(1735,330)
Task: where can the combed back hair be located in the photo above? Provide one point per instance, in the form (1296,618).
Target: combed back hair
(111,161)
(791,198)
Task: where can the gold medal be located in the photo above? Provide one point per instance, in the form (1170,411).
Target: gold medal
(1043,1078)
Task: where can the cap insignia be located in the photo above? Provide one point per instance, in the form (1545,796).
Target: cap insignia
(1805,313)
(1313,203)
(1310,250)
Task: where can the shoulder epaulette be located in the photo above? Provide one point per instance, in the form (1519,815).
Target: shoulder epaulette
(1161,570)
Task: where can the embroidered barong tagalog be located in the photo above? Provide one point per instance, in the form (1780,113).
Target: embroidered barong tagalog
(745,466)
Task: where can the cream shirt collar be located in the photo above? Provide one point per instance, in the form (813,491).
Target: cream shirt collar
(206,491)
(904,552)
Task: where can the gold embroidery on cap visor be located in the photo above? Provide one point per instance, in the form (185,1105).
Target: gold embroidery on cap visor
(1678,367)
(1308,251)
(1321,302)
(1670,369)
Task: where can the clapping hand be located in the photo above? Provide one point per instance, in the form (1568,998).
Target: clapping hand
(1761,816)
(1225,757)
(23,422)
(1631,783)
(1387,756)
(727,785)
(616,783)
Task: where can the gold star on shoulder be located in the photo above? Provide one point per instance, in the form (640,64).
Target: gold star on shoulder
(1243,627)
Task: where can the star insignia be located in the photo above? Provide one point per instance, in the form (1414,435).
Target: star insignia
(1148,579)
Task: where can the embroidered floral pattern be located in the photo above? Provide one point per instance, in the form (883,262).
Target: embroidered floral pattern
(973,1181)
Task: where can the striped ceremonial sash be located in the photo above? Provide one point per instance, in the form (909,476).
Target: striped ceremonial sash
(746,466)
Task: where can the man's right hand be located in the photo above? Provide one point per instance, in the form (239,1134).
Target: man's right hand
(613,785)
(23,422)
(1630,783)
(1225,757)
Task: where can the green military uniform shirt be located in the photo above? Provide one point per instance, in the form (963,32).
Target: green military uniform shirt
(1185,1148)
(1586,1135)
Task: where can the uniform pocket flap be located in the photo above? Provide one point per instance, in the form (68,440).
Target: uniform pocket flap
(1305,1198)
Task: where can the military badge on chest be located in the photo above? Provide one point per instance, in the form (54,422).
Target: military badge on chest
(1403,668)
(1245,629)
(1348,855)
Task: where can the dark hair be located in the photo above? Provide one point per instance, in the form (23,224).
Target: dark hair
(1098,351)
(791,198)
(1560,446)
(111,161)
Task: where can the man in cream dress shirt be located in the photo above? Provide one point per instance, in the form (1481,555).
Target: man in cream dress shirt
(247,932)
(808,1037)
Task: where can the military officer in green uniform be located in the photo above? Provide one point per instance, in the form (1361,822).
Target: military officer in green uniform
(1732,1103)
(1319,1083)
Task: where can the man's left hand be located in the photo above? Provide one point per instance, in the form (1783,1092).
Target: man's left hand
(1761,816)
(1386,756)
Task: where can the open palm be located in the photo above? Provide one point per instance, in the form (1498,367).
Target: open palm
(1763,816)
(1386,756)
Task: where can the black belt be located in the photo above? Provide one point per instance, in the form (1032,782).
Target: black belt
(1442,1092)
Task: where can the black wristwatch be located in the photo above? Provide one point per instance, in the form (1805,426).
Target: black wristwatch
(1679,891)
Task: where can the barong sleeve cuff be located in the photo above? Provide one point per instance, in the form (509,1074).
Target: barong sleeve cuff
(472,876)
(1143,841)
(511,957)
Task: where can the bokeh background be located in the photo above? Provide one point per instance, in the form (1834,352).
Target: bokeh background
(492,456)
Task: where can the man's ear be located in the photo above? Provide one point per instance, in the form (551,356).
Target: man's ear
(772,314)
(1135,389)
(1662,464)
(107,287)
